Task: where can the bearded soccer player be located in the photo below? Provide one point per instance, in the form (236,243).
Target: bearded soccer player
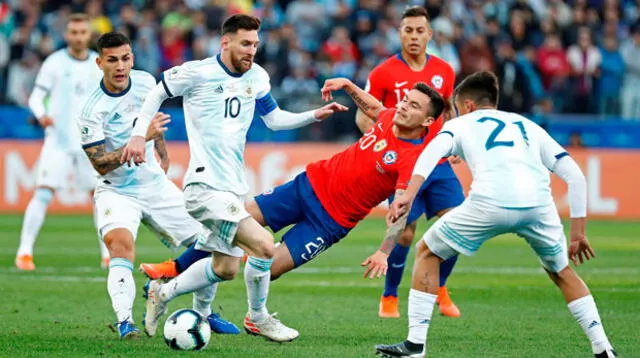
(389,82)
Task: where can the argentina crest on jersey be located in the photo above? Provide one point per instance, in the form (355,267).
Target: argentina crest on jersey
(389,157)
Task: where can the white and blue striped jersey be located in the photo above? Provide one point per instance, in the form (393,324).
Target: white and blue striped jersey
(510,157)
(108,118)
(67,81)
(218,106)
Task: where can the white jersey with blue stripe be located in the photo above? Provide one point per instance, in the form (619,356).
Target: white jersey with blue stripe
(67,81)
(510,157)
(108,118)
(218,106)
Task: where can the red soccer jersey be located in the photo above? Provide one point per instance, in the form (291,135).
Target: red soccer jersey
(356,180)
(393,78)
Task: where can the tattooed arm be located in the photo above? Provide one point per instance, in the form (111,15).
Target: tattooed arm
(102,161)
(161,148)
(377,263)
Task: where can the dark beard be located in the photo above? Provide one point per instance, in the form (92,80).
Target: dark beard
(237,65)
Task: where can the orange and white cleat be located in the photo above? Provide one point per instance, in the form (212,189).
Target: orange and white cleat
(388,307)
(163,270)
(446,305)
(270,328)
(25,263)
(104,263)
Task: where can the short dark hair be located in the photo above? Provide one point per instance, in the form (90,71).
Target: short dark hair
(415,11)
(437,102)
(240,22)
(481,87)
(112,39)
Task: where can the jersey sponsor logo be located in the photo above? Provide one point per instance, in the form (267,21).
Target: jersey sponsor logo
(219,89)
(437,81)
(400,84)
(379,168)
(131,107)
(116,117)
(389,157)
(380,145)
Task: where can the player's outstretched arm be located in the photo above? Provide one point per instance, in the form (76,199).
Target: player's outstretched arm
(278,119)
(135,149)
(580,249)
(367,103)
(376,264)
(363,122)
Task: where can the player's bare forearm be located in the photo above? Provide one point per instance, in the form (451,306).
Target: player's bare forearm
(363,122)
(394,230)
(102,161)
(161,147)
(368,104)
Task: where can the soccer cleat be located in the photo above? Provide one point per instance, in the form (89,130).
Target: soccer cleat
(271,328)
(155,307)
(388,307)
(163,270)
(445,304)
(220,325)
(127,330)
(402,349)
(608,353)
(104,264)
(25,263)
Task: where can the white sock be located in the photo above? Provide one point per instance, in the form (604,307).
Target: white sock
(420,310)
(202,299)
(33,220)
(586,313)
(257,277)
(121,288)
(197,276)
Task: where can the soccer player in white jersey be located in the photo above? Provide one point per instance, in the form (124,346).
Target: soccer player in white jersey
(220,95)
(127,195)
(510,158)
(64,81)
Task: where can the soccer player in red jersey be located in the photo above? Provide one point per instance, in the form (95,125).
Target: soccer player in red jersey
(388,82)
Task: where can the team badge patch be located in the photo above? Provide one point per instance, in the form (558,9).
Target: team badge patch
(389,157)
(249,91)
(85,133)
(380,145)
(107,212)
(233,209)
(437,81)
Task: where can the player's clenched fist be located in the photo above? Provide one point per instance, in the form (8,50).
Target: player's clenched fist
(399,207)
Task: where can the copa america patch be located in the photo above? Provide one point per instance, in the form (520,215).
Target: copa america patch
(389,157)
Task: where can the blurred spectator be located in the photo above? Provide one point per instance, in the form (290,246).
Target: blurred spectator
(308,19)
(521,34)
(631,90)
(575,141)
(273,55)
(514,89)
(475,56)
(554,69)
(99,22)
(339,46)
(559,12)
(299,90)
(440,44)
(611,77)
(584,59)
(269,12)
(22,77)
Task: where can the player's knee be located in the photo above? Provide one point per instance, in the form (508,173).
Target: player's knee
(423,252)
(226,269)
(265,249)
(564,277)
(406,238)
(120,243)
(44,195)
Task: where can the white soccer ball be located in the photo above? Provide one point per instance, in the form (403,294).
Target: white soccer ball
(187,330)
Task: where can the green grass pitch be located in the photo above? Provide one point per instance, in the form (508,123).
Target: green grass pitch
(509,307)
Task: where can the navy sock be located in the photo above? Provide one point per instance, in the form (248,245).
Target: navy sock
(445,269)
(396,262)
(189,257)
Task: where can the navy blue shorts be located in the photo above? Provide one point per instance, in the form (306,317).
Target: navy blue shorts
(295,203)
(441,190)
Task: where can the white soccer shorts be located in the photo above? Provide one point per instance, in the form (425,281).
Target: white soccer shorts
(56,165)
(161,210)
(465,228)
(220,212)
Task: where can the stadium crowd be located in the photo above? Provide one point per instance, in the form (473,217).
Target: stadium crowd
(551,56)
